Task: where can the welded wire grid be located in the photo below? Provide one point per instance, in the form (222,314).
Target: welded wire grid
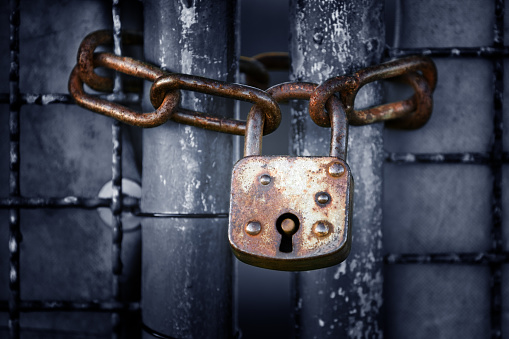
(15,201)
(495,159)
(496,257)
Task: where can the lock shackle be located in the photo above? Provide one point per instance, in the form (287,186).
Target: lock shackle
(301,91)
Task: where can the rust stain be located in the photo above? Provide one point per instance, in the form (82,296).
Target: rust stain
(410,114)
(290,178)
(417,71)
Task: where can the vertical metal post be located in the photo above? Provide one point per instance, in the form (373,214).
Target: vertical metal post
(116,199)
(330,38)
(187,267)
(14,161)
(497,150)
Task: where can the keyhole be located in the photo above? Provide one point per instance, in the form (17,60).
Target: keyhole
(287,225)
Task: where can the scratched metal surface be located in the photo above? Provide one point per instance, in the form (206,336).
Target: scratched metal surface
(328,39)
(293,187)
(187,170)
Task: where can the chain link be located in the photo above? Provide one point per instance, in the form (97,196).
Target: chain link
(417,71)
(408,114)
(291,91)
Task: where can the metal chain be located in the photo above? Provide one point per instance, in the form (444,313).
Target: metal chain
(417,71)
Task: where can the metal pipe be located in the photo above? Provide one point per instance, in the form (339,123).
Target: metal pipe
(331,38)
(187,266)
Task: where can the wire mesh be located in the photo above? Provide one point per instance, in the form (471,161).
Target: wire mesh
(480,208)
(61,267)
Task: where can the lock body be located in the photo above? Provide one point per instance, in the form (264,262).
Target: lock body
(291,213)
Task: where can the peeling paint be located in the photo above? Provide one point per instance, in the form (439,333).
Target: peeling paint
(13,245)
(186,37)
(188,18)
(352,34)
(341,269)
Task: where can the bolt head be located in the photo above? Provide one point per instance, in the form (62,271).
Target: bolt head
(321,228)
(265,179)
(336,170)
(323,198)
(253,228)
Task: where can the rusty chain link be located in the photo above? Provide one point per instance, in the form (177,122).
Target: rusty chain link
(290,91)
(408,114)
(417,71)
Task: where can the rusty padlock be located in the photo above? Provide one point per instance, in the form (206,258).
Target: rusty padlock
(292,213)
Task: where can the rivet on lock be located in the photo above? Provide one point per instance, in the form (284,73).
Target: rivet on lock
(292,213)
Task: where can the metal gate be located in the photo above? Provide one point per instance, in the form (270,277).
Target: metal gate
(67,274)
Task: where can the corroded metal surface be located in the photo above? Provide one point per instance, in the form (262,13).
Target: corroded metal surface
(342,301)
(422,102)
(297,90)
(165,95)
(86,57)
(117,111)
(188,268)
(292,213)
(349,85)
(297,188)
(168,84)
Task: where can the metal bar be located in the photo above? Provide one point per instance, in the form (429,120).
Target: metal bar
(36,332)
(74,306)
(39,98)
(116,210)
(443,158)
(328,38)
(44,99)
(480,258)
(14,161)
(451,52)
(116,201)
(496,169)
(187,264)
(184,215)
(128,203)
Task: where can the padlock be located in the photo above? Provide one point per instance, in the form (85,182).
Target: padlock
(292,213)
